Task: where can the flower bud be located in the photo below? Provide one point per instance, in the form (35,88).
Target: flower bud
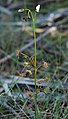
(37,8)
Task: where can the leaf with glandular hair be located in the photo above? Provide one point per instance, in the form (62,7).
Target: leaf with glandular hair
(26,64)
(29,71)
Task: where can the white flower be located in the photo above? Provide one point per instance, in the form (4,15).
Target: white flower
(37,8)
(20,10)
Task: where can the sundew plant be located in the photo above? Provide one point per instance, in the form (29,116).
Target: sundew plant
(33,16)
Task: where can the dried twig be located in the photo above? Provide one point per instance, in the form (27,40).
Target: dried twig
(5,10)
(17,5)
(30,3)
(48,1)
(27,45)
(22,80)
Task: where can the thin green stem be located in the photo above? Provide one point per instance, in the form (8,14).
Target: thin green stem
(35,68)
(34,29)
